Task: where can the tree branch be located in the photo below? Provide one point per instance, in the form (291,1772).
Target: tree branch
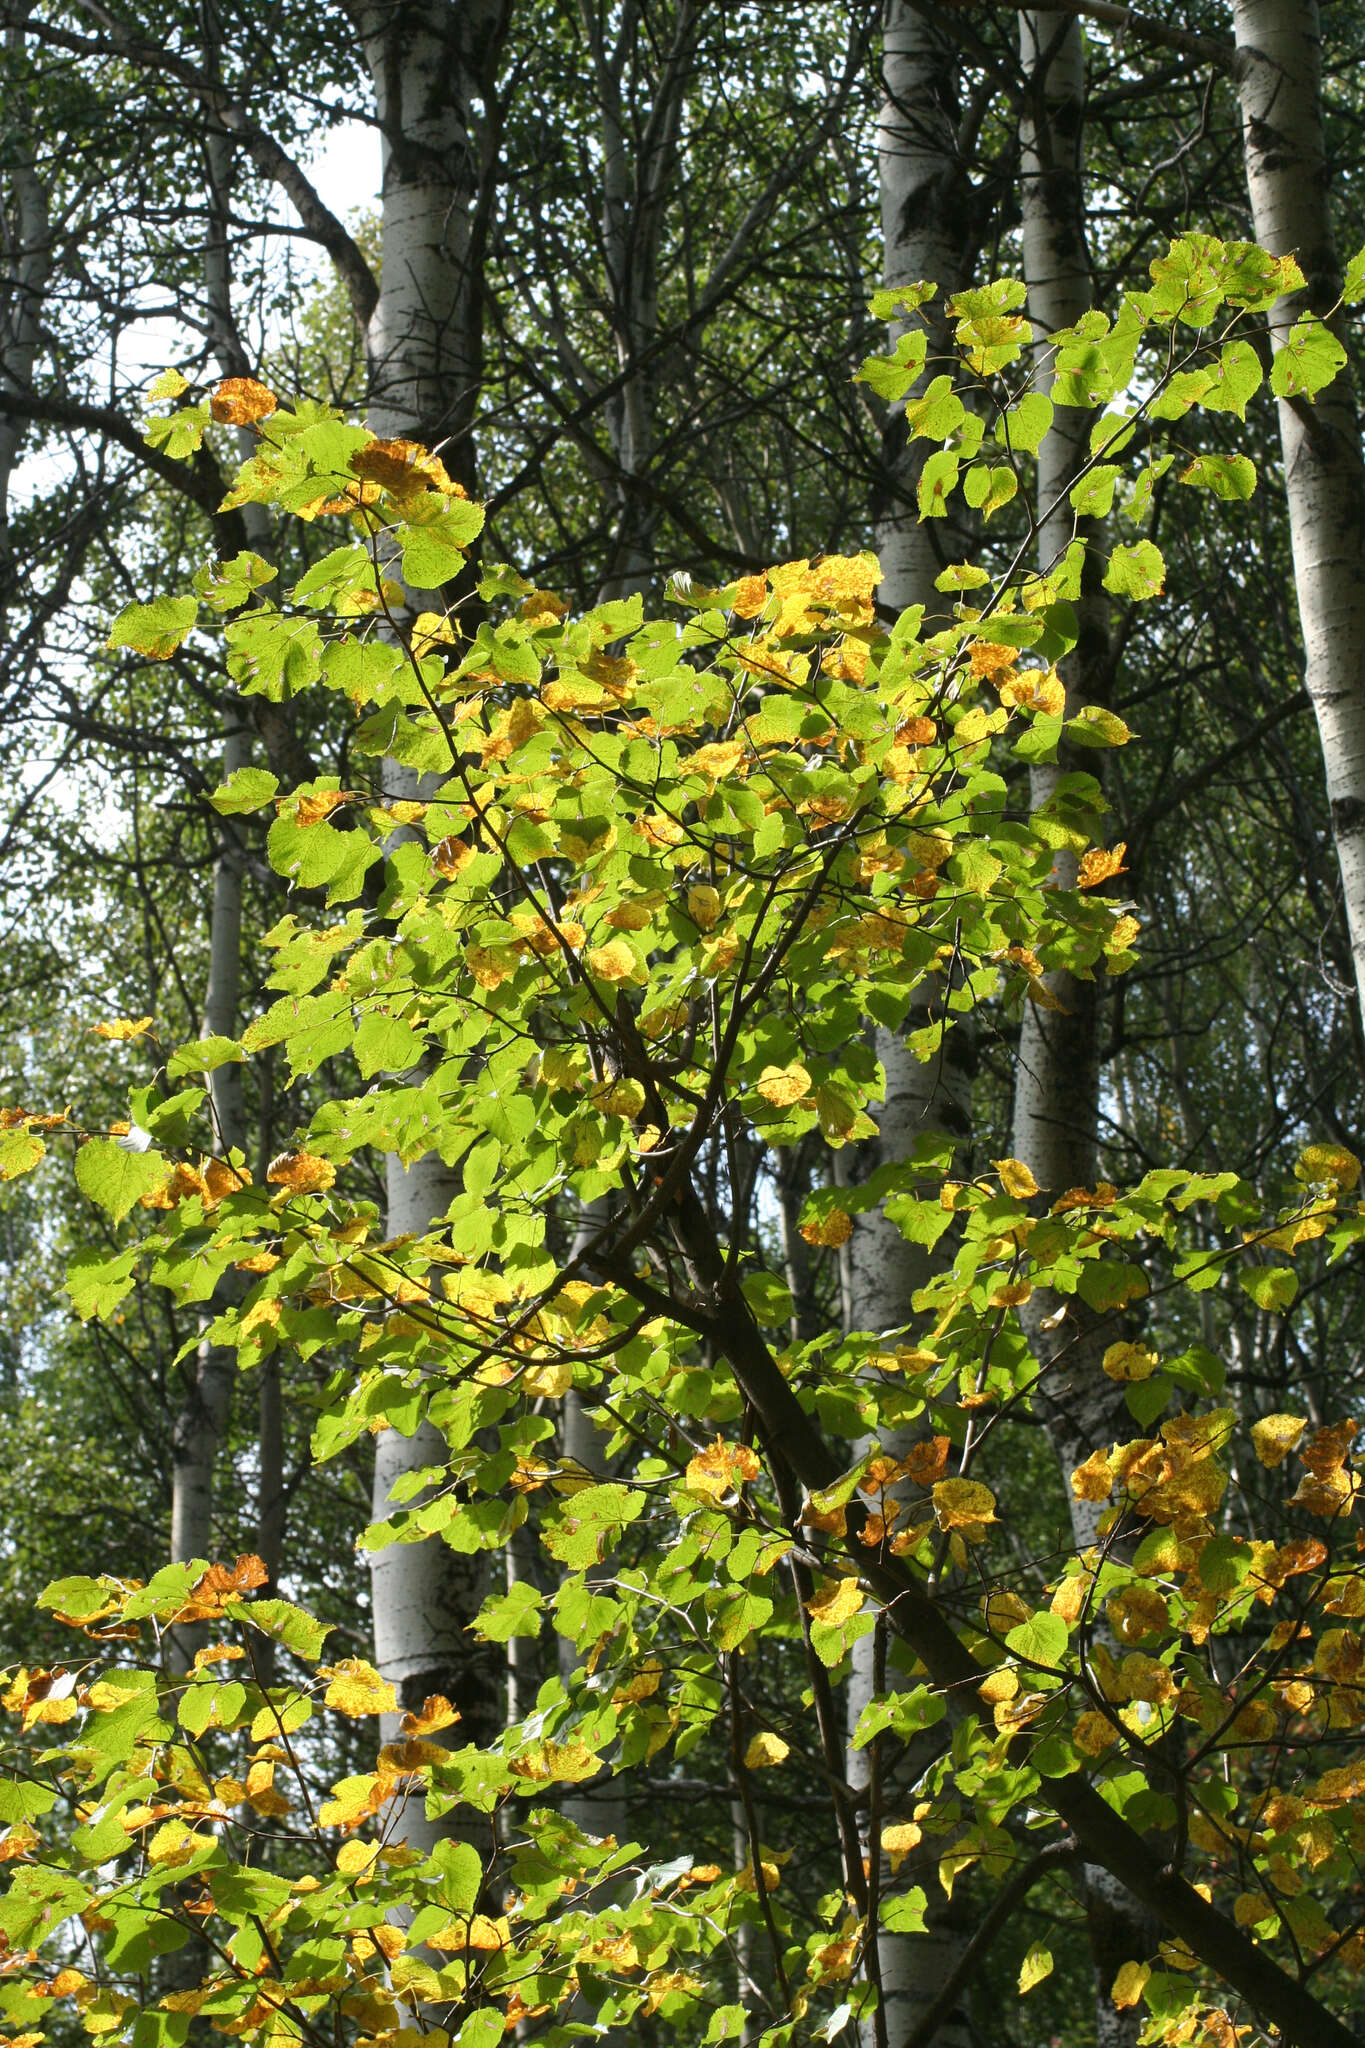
(1006,1905)
(270,159)
(1208,49)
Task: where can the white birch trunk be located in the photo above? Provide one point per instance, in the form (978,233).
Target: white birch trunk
(926,214)
(1279,76)
(424,345)
(424,341)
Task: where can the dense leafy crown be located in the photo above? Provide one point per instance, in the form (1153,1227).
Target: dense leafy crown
(611,946)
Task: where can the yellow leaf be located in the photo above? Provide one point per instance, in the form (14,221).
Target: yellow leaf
(1093,1734)
(240,401)
(1130,1983)
(751,594)
(302,1173)
(356,1688)
(1036,1965)
(1094,1480)
(120,1028)
(355,1856)
(1125,1362)
(720,1469)
(550,1382)
(1328,1163)
(963,1504)
(437,1712)
(478,1932)
(613,962)
(405,469)
(1016,1179)
(784,1085)
(451,854)
(703,906)
(837,1601)
(720,757)
(1100,866)
(764,1751)
(431,629)
(899,1839)
(1275,1436)
(830,1231)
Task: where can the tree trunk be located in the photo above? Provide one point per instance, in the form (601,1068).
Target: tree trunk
(203,1419)
(1279,78)
(636,185)
(1056,1088)
(27,230)
(428,62)
(926,214)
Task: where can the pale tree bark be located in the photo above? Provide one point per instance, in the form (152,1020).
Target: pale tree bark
(429,62)
(1056,1086)
(926,221)
(1279,79)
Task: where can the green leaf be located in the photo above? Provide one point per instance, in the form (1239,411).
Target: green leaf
(177,434)
(1353,284)
(1042,1639)
(299,1632)
(1227,476)
(892,376)
(155,629)
(590,1523)
(1270,1287)
(272,656)
(246,789)
(386,1045)
(435,552)
(1024,425)
(1308,361)
(203,1056)
(20,1152)
(461,1878)
(79,1598)
(1136,571)
(899,299)
(1096,726)
(96,1284)
(1093,496)
(115,1179)
(513,1613)
(903,1913)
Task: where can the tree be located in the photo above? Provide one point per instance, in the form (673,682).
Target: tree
(628,931)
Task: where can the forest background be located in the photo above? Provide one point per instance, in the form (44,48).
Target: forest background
(621,277)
